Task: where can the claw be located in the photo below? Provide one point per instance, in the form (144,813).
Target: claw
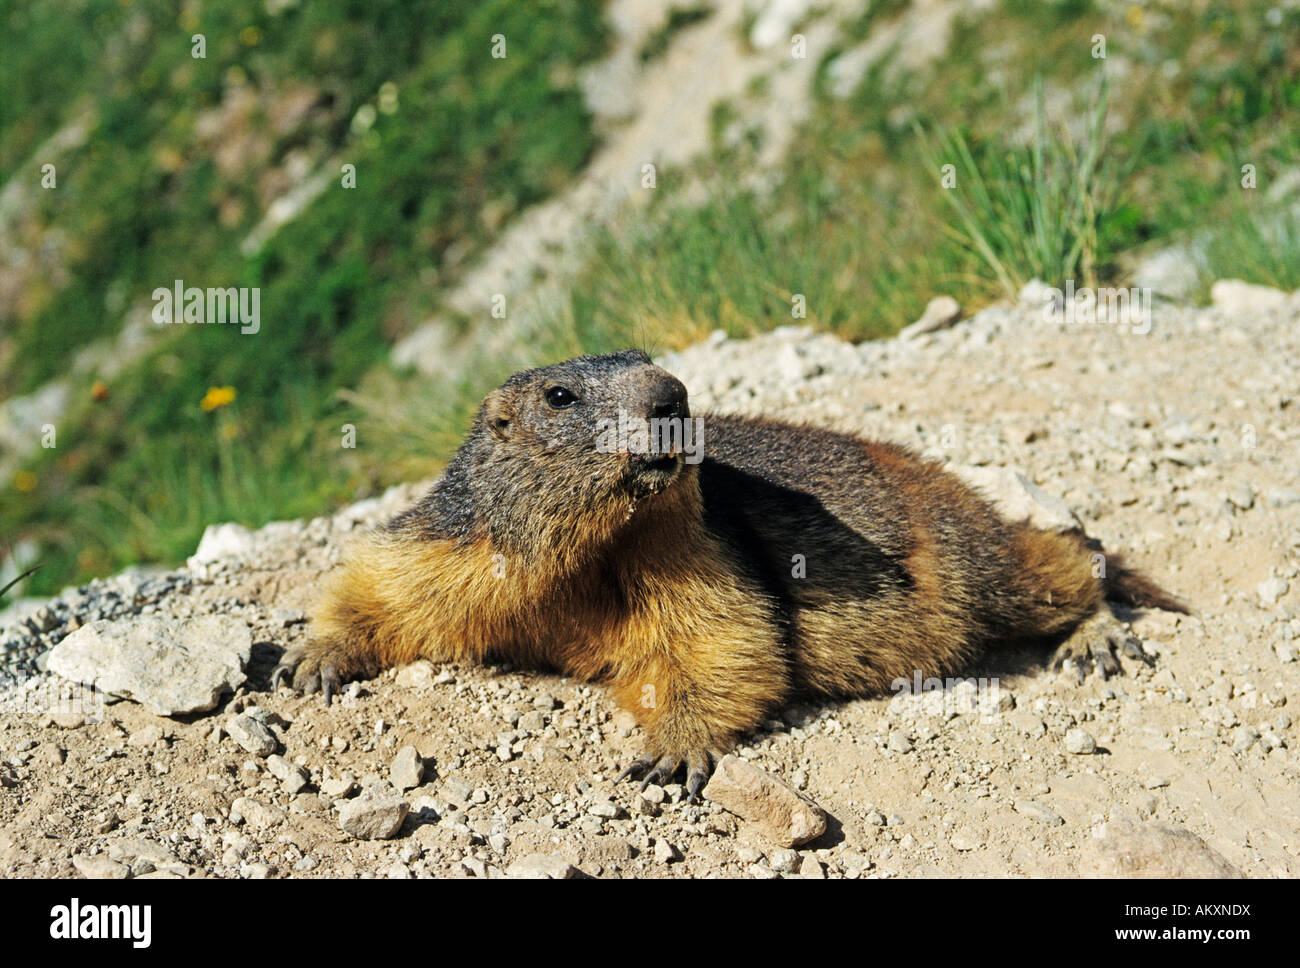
(1098,642)
(1132,648)
(663,771)
(281,676)
(329,682)
(636,769)
(1106,663)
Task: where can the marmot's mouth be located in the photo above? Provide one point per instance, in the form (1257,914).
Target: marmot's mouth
(653,472)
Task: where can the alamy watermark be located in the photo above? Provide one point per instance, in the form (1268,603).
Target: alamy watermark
(182,304)
(670,436)
(945,698)
(1086,306)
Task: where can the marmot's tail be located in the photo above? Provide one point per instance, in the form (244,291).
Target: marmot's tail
(1124,584)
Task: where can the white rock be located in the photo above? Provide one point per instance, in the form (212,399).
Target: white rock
(375,815)
(940,313)
(1272,589)
(1080,741)
(222,541)
(171,666)
(1234,296)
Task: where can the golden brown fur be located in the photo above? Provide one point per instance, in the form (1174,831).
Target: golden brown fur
(791,559)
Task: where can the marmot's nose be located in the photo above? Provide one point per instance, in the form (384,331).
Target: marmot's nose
(668,399)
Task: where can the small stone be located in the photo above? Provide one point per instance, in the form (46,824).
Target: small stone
(171,666)
(605,809)
(417,675)
(666,853)
(1038,811)
(1080,742)
(306,863)
(293,776)
(100,868)
(775,807)
(542,867)
(940,313)
(899,743)
(146,736)
(964,839)
(1272,589)
(1241,496)
(811,869)
(1123,848)
(375,815)
(533,721)
(784,860)
(250,732)
(1234,297)
(339,787)
(407,769)
(1243,738)
(654,794)
(256,813)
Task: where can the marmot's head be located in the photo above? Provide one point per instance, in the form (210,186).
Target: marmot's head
(611,421)
(577,446)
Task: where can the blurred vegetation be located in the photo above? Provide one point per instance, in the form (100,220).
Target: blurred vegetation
(855,220)
(139,471)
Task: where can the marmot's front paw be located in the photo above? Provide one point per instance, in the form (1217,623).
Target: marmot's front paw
(312,667)
(1095,642)
(653,768)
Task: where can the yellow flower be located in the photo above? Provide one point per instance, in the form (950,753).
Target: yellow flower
(217,397)
(25,481)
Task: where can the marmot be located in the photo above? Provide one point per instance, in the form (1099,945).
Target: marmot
(790,559)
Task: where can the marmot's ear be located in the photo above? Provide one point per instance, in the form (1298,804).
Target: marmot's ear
(498,417)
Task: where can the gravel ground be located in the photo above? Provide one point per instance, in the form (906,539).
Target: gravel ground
(1178,446)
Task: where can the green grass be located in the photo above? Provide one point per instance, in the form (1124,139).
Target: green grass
(1031,212)
(136,476)
(1259,242)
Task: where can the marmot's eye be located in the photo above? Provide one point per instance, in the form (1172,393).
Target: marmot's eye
(560,397)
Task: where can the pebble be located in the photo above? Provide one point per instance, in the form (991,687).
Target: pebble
(772,805)
(375,815)
(250,731)
(407,769)
(340,786)
(290,774)
(256,813)
(1038,811)
(1152,850)
(1080,741)
(542,867)
(99,868)
(784,860)
(899,742)
(811,868)
(666,853)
